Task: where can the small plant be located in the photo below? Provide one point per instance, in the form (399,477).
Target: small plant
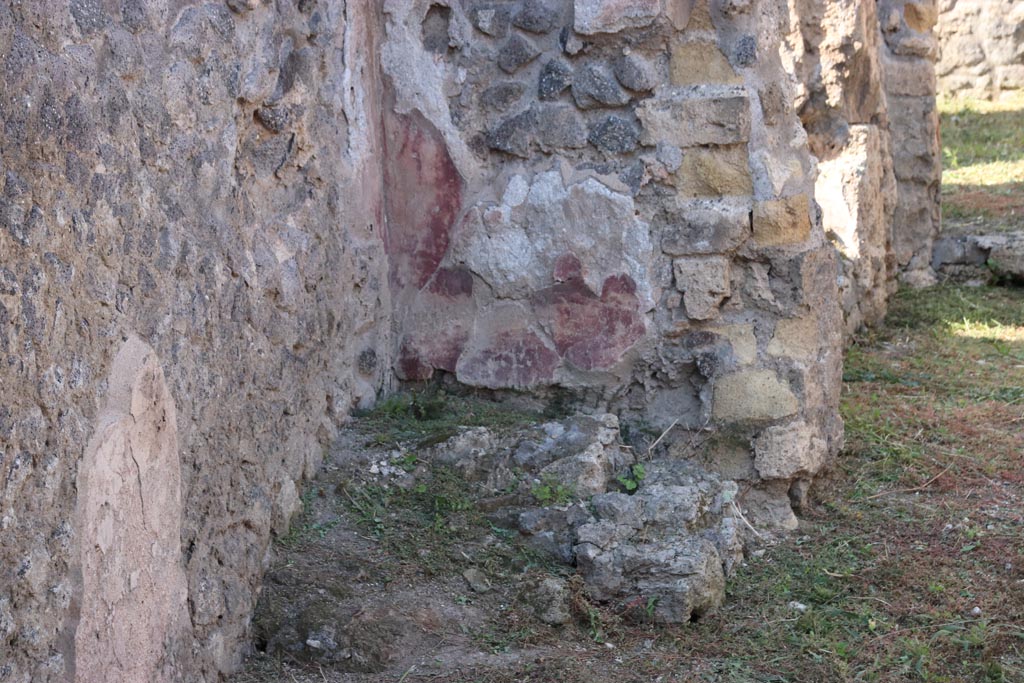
(408,462)
(632,478)
(652,604)
(596,626)
(550,491)
(499,641)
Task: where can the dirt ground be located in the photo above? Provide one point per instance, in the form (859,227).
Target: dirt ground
(910,568)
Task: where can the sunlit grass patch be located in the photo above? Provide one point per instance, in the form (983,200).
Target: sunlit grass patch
(997,175)
(978,132)
(987,330)
(983,163)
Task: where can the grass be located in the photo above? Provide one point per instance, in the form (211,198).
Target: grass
(432,528)
(983,160)
(431,416)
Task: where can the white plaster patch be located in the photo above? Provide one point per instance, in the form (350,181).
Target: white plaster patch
(513,246)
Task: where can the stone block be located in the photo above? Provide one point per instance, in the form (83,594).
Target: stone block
(555,77)
(694,116)
(559,126)
(699,62)
(1010,77)
(948,251)
(491,19)
(699,14)
(637,72)
(915,150)
(516,53)
(744,51)
(797,338)
(594,86)
(720,171)
(514,134)
(908,76)
(782,222)
(704,282)
(586,473)
(701,227)
(615,135)
(742,340)
(1006,257)
(612,16)
(916,222)
(537,16)
(500,96)
(921,16)
(752,396)
(786,451)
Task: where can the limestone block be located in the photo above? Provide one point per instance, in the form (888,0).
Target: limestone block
(916,154)
(704,282)
(691,14)
(797,338)
(785,451)
(916,222)
(741,338)
(752,396)
(908,76)
(699,62)
(1010,76)
(586,473)
(612,16)
(714,172)
(1006,255)
(782,222)
(696,116)
(921,16)
(770,507)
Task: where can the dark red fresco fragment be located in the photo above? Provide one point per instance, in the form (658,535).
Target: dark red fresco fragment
(423,196)
(591,332)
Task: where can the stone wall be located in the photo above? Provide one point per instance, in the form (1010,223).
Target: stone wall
(982,45)
(615,197)
(226,223)
(866,96)
(908,60)
(198,176)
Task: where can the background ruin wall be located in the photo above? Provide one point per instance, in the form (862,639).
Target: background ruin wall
(982,45)
(866,95)
(224,225)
